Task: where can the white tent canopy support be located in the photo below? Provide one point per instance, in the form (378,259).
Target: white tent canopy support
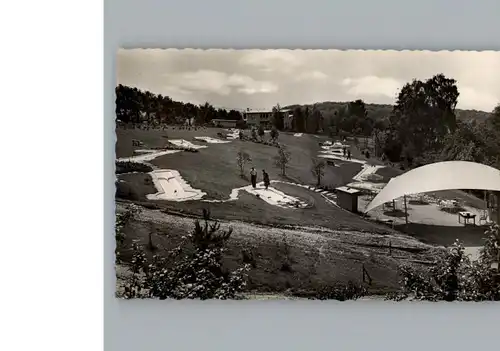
(448,175)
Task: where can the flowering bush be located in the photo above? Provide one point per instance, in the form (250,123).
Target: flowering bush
(192,270)
(455,277)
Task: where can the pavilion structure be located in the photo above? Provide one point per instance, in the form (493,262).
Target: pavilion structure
(448,175)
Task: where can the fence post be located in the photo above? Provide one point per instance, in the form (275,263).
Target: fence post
(390,248)
(366,275)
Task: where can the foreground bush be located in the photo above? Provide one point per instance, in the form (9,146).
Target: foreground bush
(125,191)
(193,270)
(455,277)
(350,291)
(122,219)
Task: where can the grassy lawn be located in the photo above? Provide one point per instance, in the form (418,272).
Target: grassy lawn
(293,250)
(214,170)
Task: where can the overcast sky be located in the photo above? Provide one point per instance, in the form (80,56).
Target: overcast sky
(258,79)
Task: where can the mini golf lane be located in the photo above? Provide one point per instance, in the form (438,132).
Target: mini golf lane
(172,187)
(368,172)
(271,195)
(275,197)
(147,155)
(186,144)
(212,140)
(340,158)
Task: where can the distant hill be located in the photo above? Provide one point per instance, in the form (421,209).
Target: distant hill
(378,111)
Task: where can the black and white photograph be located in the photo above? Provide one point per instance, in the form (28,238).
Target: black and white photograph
(307,174)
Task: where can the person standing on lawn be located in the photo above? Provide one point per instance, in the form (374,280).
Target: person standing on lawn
(253,177)
(265,176)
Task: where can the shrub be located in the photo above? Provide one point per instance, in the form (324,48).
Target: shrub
(129,167)
(125,191)
(455,277)
(286,265)
(261,131)
(274,134)
(248,257)
(241,124)
(341,292)
(194,269)
(122,219)
(254,134)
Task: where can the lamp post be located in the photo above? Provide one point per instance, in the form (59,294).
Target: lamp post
(406,210)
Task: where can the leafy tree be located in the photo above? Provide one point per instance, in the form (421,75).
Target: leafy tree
(314,121)
(282,159)
(357,108)
(136,106)
(242,158)
(274,134)
(425,112)
(318,170)
(494,120)
(233,115)
(277,118)
(261,131)
(308,125)
(298,120)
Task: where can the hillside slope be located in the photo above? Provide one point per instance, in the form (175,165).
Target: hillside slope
(378,111)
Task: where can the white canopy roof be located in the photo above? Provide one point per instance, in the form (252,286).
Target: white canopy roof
(448,175)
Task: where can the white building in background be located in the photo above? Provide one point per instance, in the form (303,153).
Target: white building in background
(264,118)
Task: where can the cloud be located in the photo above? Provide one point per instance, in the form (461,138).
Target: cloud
(272,60)
(473,99)
(311,75)
(261,78)
(215,82)
(372,86)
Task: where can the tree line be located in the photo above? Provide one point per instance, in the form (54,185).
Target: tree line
(423,126)
(136,106)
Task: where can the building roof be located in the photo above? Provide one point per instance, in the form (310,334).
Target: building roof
(265,111)
(346,189)
(448,175)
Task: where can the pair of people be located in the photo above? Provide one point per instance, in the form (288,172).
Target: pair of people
(347,153)
(253,178)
